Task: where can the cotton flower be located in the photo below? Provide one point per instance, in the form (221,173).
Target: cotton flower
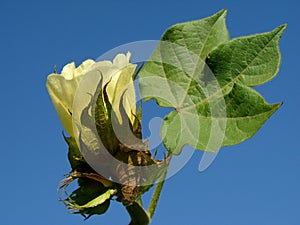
(118,74)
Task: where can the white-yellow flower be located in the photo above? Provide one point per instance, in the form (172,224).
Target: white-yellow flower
(62,87)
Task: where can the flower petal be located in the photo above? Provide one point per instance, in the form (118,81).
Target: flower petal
(122,60)
(62,88)
(122,83)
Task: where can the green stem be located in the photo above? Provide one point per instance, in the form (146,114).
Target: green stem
(137,214)
(157,191)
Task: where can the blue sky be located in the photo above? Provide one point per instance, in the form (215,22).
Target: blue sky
(256,182)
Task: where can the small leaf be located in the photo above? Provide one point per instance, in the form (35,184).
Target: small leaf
(89,199)
(95,202)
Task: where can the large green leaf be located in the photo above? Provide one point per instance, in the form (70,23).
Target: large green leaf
(213,104)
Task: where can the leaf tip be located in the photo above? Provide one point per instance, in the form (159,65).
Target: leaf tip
(284,26)
(222,12)
(277,106)
(281,29)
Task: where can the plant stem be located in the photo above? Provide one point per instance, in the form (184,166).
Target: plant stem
(157,191)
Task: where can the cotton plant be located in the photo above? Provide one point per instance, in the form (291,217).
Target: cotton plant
(196,70)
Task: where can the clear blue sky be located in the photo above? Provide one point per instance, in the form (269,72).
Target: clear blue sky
(256,182)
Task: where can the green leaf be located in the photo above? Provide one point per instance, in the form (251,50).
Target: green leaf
(138,214)
(94,202)
(213,104)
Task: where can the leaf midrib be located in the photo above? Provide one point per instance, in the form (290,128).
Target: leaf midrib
(200,53)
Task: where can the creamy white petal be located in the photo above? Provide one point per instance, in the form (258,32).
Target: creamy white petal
(68,71)
(122,60)
(62,88)
(123,84)
(83,68)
